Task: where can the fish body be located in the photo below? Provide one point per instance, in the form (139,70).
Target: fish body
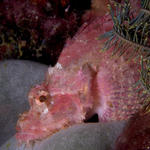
(85,81)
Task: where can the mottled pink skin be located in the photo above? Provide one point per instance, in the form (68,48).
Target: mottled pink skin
(85,43)
(83,82)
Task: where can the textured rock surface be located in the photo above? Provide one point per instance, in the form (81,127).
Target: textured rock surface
(92,136)
(16,79)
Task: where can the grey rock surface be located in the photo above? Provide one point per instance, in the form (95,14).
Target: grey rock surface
(16,79)
(89,136)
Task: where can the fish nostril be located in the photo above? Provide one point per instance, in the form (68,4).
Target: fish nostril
(42,98)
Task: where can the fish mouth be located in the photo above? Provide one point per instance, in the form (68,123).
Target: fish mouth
(25,132)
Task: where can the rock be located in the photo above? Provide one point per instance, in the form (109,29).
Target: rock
(90,136)
(16,79)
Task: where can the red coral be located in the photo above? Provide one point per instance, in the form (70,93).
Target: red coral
(136,135)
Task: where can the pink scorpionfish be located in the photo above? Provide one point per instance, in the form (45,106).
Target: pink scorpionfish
(84,82)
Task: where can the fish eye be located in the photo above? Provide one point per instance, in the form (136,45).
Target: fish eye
(42,98)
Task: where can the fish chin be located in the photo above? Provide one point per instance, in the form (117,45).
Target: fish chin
(33,126)
(28,128)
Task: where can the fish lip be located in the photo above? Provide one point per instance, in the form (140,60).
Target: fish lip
(24,137)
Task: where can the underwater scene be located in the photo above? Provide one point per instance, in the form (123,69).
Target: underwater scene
(74,75)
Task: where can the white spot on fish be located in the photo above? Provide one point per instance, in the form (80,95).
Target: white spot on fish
(51,69)
(52,102)
(30,96)
(45,111)
(58,66)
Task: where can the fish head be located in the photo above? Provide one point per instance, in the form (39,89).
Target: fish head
(48,114)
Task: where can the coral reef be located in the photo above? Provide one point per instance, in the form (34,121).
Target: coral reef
(37,29)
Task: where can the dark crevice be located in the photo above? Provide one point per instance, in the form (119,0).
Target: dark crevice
(94,118)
